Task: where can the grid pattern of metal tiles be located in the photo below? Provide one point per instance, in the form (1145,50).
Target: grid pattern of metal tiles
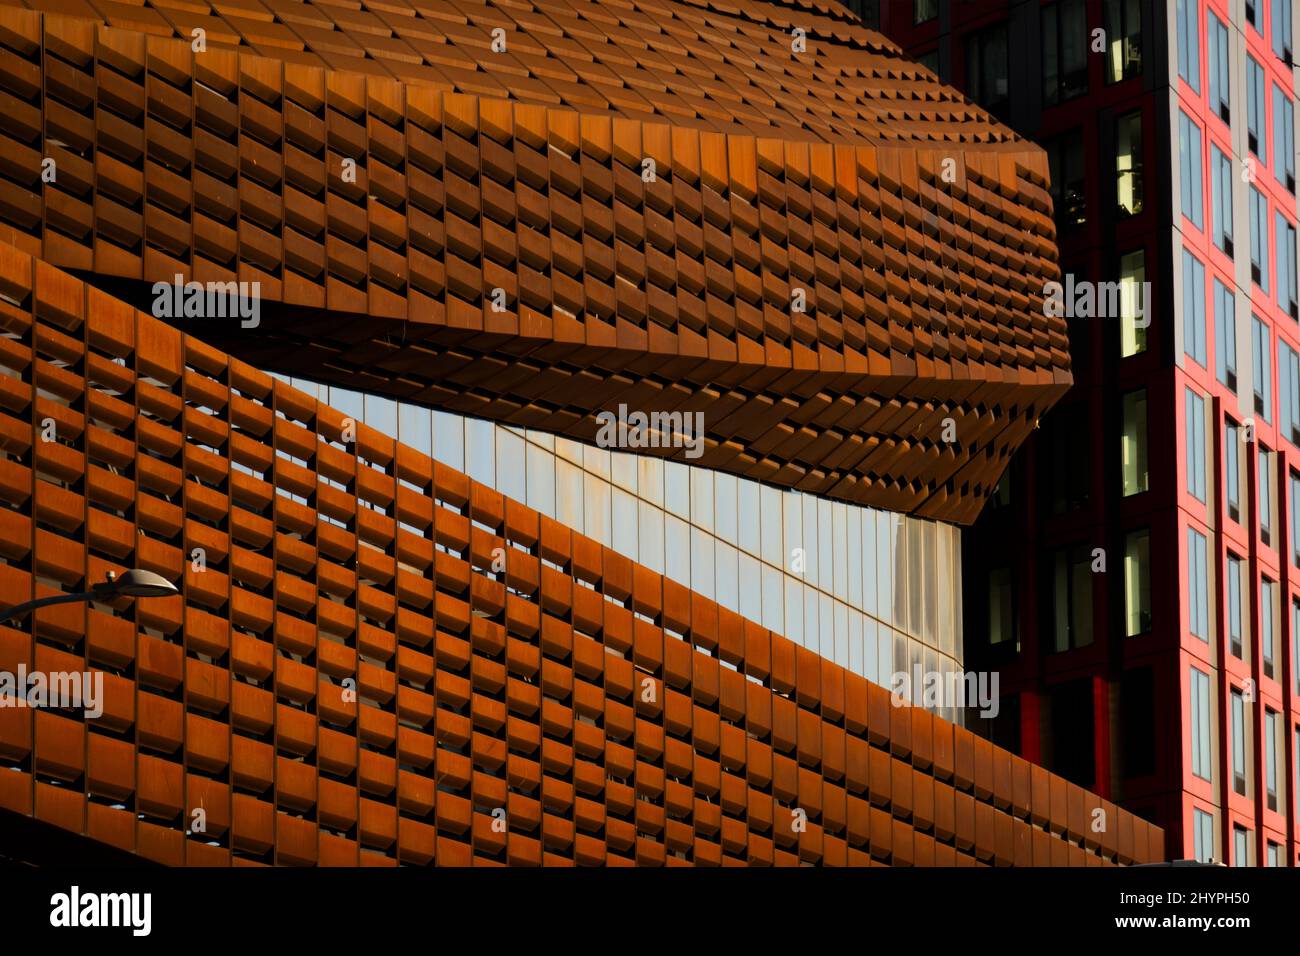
(388,211)
(601,713)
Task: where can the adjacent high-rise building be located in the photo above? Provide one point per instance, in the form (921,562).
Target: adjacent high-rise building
(557,417)
(1139,584)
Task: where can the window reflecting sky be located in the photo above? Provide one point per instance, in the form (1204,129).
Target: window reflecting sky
(872,590)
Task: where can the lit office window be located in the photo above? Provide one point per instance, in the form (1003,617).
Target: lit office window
(1065,51)
(1264,493)
(1238,711)
(1255,110)
(1267,623)
(1288,374)
(1132,274)
(1284,138)
(1133,445)
(1284,236)
(1123,23)
(1072,605)
(1203,835)
(1258,239)
(987,72)
(1189,164)
(1202,734)
(1137,583)
(1198,597)
(1217,66)
(1195,421)
(1261,368)
(1194,308)
(1240,846)
(1128,163)
(1232,469)
(1068,188)
(1225,335)
(1002,608)
(1282,30)
(1236,636)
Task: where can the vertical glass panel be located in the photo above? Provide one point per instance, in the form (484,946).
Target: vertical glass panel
(480,450)
(702,562)
(812,566)
(415,427)
(677,549)
(652,537)
(449,439)
(1137,583)
(596,460)
(794,591)
(870,563)
(569,450)
(677,489)
(747,516)
(792,508)
(350,403)
(596,500)
(541,480)
(751,588)
(381,414)
(622,470)
(871,658)
(724,506)
(825,625)
(825,546)
(650,479)
(770,505)
(1133,443)
(728,576)
(510,464)
(856,662)
(625,523)
(773,598)
(885,565)
(840,542)
(568,495)
(853,557)
(702,498)
(811,619)
(841,634)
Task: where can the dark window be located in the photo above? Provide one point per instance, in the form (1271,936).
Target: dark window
(924,10)
(1070,749)
(1138,722)
(1070,598)
(1065,51)
(987,71)
(1068,458)
(1066,166)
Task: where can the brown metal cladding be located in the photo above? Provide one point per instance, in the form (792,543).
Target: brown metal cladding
(616,717)
(824,171)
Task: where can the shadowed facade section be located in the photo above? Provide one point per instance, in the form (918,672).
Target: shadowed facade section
(654,188)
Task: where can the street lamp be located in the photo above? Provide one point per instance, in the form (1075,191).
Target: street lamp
(135,583)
